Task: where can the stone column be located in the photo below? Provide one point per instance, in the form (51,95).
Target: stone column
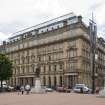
(52,80)
(57,79)
(65,46)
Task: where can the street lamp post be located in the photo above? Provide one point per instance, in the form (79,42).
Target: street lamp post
(93,35)
(93,75)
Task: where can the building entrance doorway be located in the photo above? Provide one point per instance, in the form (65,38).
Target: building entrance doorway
(71,81)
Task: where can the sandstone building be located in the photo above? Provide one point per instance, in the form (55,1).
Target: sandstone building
(61,48)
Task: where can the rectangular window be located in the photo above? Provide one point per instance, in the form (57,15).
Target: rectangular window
(39,58)
(72,66)
(72,53)
(27,57)
(44,68)
(55,67)
(49,67)
(49,57)
(72,44)
(60,66)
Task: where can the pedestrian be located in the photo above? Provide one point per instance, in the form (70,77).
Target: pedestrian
(81,89)
(22,89)
(18,89)
(97,90)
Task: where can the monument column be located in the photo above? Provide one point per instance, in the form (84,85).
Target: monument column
(37,86)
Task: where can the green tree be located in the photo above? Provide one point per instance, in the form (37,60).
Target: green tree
(5,68)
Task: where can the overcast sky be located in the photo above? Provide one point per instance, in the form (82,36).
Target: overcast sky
(16,15)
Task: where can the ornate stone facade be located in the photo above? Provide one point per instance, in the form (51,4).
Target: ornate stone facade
(62,51)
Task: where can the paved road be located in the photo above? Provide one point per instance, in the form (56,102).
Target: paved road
(53,98)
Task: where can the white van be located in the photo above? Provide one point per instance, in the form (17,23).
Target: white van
(83,87)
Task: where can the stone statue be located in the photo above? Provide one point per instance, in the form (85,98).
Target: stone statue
(37,72)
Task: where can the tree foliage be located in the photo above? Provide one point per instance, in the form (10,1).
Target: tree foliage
(5,68)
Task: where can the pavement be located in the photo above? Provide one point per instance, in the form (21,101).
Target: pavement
(51,98)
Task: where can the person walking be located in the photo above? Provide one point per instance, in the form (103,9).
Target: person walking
(22,89)
(81,89)
(18,89)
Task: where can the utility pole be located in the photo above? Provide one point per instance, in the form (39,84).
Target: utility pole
(93,34)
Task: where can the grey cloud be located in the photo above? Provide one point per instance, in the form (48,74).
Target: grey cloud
(97,5)
(16,15)
(24,22)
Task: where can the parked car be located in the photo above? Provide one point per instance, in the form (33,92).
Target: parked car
(49,89)
(60,89)
(10,88)
(81,88)
(6,88)
(63,89)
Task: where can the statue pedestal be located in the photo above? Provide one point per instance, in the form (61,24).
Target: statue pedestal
(37,88)
(102,93)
